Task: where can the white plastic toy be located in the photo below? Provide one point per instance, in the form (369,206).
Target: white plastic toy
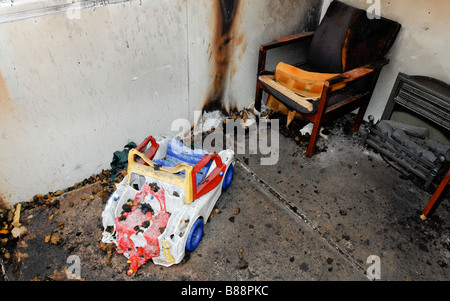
(158,211)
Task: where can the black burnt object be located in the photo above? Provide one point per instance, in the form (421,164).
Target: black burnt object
(427,99)
(127,206)
(146,208)
(425,96)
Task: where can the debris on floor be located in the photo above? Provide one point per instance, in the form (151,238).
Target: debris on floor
(109,249)
(247,234)
(299,131)
(243,264)
(248,116)
(13,234)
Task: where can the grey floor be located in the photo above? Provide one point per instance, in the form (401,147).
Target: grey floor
(302,219)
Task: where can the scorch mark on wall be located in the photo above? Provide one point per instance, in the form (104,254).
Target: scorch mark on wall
(222,47)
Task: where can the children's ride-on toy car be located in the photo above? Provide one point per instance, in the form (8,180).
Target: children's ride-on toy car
(158,210)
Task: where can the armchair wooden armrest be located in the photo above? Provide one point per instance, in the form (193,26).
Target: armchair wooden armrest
(372,71)
(286,40)
(280,42)
(355,74)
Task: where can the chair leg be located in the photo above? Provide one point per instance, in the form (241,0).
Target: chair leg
(258,98)
(290,117)
(312,141)
(436,196)
(359,117)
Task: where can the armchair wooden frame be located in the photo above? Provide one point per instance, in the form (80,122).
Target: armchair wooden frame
(323,112)
(436,197)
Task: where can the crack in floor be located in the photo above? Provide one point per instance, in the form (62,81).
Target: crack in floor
(303,218)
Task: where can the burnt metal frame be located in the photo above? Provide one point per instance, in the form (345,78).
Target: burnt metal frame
(390,148)
(324,112)
(395,151)
(437,100)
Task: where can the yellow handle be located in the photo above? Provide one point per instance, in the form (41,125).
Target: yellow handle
(163,173)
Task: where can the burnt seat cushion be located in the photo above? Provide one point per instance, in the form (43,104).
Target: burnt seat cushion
(305,83)
(308,84)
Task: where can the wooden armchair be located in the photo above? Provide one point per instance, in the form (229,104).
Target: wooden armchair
(436,197)
(344,59)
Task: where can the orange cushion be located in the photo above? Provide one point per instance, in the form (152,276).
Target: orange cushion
(304,83)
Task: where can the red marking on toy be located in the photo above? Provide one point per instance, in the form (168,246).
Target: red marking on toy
(212,180)
(133,224)
(151,152)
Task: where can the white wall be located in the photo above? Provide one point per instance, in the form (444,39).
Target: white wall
(74,90)
(422,47)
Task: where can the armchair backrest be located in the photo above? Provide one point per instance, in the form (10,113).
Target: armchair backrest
(347,38)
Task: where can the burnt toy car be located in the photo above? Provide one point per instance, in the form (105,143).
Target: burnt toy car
(159,209)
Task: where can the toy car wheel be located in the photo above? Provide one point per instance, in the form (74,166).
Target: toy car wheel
(228,177)
(194,236)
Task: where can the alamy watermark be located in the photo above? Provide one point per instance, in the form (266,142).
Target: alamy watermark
(73,269)
(262,138)
(373,272)
(374,10)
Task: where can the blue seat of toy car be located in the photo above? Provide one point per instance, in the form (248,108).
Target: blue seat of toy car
(178,153)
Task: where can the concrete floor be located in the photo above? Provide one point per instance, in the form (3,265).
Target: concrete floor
(304,218)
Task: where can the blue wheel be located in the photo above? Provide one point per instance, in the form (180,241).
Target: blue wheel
(194,236)
(228,177)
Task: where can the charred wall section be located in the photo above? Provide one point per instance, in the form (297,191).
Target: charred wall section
(223,51)
(222,47)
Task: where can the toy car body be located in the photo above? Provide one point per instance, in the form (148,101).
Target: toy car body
(158,210)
